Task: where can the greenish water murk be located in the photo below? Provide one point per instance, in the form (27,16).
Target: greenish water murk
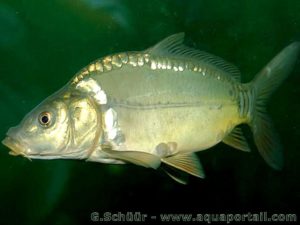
(44,43)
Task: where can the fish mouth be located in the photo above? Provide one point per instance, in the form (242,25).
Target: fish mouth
(18,149)
(14,146)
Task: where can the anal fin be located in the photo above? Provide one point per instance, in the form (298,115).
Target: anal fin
(237,140)
(187,162)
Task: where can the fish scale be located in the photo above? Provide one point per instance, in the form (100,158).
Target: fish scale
(116,61)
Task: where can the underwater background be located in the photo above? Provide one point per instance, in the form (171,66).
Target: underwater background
(44,43)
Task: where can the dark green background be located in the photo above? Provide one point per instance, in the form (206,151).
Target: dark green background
(42,45)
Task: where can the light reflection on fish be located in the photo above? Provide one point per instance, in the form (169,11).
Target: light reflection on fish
(155,108)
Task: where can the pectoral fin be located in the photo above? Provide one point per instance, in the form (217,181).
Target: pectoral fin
(187,162)
(236,139)
(177,175)
(138,158)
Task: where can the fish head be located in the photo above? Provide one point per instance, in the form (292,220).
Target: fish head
(62,126)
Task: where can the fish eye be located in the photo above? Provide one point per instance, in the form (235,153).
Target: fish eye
(45,119)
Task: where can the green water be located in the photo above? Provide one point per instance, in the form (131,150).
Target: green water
(43,43)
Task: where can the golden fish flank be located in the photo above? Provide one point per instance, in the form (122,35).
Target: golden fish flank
(137,59)
(155,108)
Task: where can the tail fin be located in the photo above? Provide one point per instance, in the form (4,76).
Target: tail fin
(264,84)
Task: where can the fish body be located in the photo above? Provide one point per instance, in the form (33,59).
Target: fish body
(154,107)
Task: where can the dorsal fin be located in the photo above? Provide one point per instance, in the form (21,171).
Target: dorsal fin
(173,46)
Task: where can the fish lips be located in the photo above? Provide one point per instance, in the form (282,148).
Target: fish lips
(13,145)
(11,141)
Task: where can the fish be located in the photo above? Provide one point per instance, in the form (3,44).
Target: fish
(155,108)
